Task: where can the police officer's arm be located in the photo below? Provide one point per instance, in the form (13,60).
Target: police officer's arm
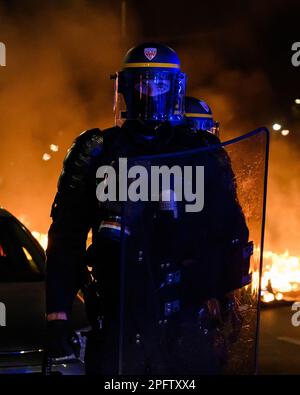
(72,216)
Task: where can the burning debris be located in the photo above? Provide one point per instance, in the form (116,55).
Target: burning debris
(46,157)
(281,277)
(54,147)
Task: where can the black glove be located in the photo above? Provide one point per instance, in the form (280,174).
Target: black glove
(61,340)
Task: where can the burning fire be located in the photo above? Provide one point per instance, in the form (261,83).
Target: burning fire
(280,278)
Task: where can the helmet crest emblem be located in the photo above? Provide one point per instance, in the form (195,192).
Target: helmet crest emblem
(150,53)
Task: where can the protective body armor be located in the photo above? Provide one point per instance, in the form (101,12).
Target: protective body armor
(167,282)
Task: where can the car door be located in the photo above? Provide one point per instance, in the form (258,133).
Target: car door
(22,276)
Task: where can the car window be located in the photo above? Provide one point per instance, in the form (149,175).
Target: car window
(20,258)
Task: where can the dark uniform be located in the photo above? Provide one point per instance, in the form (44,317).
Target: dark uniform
(76,210)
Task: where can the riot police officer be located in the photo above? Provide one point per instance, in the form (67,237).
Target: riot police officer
(199,116)
(149,110)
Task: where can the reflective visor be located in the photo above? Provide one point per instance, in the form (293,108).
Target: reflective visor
(201,123)
(155,95)
(152,87)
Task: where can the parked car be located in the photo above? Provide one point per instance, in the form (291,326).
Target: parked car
(22,298)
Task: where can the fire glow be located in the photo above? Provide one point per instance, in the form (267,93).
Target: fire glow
(280,278)
(42,238)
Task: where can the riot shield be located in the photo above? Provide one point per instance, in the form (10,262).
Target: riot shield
(191,256)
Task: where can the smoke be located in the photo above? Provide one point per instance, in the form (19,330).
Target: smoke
(283,203)
(237,99)
(237,116)
(283,212)
(55,85)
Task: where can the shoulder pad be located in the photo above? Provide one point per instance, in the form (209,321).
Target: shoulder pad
(90,141)
(79,158)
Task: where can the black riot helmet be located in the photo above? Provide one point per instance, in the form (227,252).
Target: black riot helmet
(199,116)
(150,87)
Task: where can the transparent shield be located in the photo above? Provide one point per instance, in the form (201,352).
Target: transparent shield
(191,250)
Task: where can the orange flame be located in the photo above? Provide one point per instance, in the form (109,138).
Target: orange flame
(281,277)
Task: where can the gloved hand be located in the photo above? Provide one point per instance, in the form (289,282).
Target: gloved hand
(61,340)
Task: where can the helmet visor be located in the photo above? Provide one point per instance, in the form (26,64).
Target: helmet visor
(149,95)
(203,124)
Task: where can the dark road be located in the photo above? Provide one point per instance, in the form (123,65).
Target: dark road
(279,351)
